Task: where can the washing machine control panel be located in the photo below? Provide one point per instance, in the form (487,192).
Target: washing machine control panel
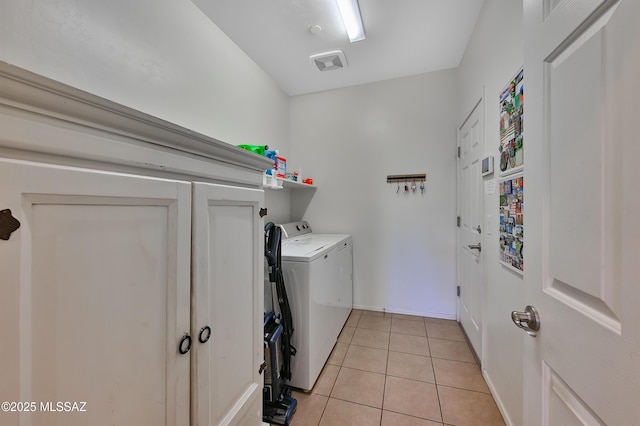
(295,229)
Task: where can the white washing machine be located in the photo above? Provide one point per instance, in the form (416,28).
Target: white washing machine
(318,275)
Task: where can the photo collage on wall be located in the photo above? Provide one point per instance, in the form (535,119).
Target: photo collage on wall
(512,222)
(511,124)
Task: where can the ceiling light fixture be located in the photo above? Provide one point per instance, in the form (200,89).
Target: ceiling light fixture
(352,19)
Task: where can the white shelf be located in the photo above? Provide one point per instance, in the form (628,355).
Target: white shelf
(286,184)
(296,185)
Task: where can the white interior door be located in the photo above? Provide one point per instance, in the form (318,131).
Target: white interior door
(471,144)
(581,255)
(95,297)
(228,297)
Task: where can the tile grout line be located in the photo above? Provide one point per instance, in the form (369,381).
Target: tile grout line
(329,396)
(433,368)
(456,360)
(450,340)
(466,390)
(339,370)
(356,403)
(357,326)
(384,387)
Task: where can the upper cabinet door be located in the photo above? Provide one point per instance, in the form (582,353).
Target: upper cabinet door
(227,294)
(94,296)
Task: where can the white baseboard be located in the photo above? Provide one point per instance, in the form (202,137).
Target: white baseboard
(406,312)
(496,397)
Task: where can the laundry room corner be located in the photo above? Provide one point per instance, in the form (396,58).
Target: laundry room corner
(350,140)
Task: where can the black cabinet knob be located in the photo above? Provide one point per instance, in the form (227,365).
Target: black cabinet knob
(205,334)
(185,344)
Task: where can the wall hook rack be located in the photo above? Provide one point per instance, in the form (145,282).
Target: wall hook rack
(420,177)
(409,181)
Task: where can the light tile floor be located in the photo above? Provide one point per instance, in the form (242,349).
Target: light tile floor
(392,369)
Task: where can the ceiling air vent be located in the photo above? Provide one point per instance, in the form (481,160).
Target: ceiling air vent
(327,61)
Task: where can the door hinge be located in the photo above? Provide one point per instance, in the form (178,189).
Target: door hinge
(458,291)
(459,152)
(458,220)
(263,212)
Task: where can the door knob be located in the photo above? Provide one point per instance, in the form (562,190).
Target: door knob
(529,320)
(476,246)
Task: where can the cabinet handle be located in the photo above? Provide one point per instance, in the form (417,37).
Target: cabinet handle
(202,337)
(8,224)
(181,348)
(263,366)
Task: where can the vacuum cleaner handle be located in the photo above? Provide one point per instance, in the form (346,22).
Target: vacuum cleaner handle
(271,243)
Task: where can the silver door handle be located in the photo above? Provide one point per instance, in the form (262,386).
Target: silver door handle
(476,246)
(529,320)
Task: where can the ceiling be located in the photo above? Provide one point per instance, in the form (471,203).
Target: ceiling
(403,37)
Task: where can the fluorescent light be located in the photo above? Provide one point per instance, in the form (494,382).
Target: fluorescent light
(352,20)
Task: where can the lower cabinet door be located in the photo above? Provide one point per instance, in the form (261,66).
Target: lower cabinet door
(227,297)
(94,299)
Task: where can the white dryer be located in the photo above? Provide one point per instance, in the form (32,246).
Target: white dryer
(318,275)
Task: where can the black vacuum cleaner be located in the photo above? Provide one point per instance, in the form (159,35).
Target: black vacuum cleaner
(278,406)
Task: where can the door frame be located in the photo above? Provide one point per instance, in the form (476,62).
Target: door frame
(479,103)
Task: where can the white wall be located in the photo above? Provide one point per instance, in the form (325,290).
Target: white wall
(162,57)
(493,56)
(278,205)
(349,140)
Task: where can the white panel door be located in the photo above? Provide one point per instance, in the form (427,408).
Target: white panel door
(95,297)
(471,143)
(228,297)
(583,235)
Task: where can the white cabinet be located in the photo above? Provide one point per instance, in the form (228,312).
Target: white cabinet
(227,265)
(95,295)
(127,247)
